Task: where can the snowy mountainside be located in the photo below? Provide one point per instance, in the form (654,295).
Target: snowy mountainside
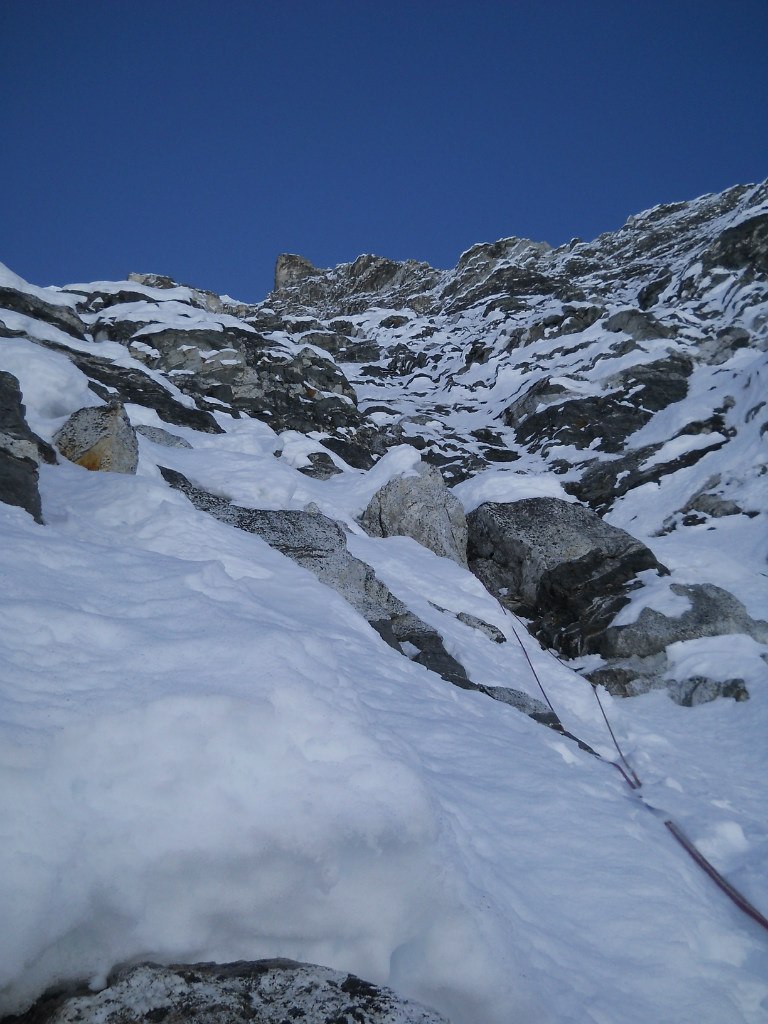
(235,724)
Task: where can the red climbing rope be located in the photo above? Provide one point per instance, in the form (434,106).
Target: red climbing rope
(632,780)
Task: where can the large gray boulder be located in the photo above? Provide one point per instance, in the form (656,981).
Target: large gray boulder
(420,507)
(100,438)
(558,564)
(260,991)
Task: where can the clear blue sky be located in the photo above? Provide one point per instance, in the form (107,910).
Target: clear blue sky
(200,139)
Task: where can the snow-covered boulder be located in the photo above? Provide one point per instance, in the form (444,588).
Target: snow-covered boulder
(557,563)
(100,438)
(419,506)
(260,991)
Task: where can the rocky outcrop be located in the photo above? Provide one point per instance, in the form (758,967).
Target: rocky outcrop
(419,506)
(100,438)
(260,992)
(21,451)
(558,564)
(32,305)
(291,268)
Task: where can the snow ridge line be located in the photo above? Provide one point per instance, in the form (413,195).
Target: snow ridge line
(632,780)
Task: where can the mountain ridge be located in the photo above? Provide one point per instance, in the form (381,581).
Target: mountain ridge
(346,504)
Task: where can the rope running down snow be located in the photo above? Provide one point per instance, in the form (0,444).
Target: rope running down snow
(632,780)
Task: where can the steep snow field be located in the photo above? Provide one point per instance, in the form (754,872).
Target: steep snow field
(207,754)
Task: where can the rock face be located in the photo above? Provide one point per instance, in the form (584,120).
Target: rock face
(100,438)
(259,992)
(632,365)
(557,563)
(421,507)
(21,451)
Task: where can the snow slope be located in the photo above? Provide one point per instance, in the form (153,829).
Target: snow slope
(206,754)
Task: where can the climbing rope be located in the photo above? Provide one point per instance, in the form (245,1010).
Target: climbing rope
(632,780)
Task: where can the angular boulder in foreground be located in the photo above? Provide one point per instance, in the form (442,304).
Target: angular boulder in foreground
(260,991)
(559,564)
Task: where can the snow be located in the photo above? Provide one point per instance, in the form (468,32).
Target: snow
(205,754)
(209,755)
(508,485)
(50,295)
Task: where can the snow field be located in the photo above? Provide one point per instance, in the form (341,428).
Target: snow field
(208,755)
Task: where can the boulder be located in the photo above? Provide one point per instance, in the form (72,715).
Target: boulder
(100,438)
(712,612)
(420,507)
(260,991)
(559,564)
(21,451)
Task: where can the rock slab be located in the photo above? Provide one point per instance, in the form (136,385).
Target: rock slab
(21,451)
(257,992)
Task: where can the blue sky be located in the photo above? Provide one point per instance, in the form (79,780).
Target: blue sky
(200,139)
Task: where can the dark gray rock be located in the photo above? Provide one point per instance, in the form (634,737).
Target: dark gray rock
(16,437)
(638,325)
(492,632)
(100,438)
(261,992)
(558,564)
(108,381)
(321,467)
(52,313)
(631,400)
(319,544)
(701,690)
(633,676)
(420,507)
(21,451)
(305,392)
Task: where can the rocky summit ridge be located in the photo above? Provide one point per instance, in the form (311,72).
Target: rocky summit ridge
(583,428)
